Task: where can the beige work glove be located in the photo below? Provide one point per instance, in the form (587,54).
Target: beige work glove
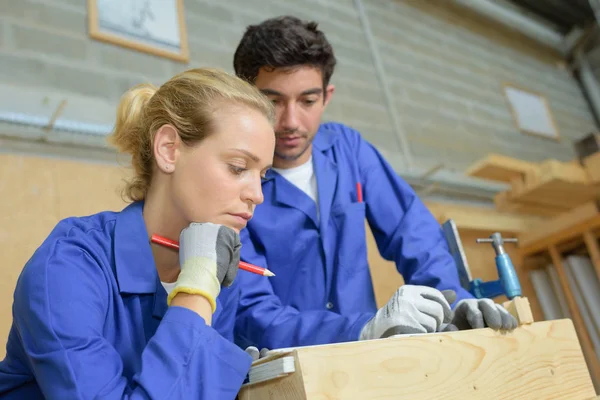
(209,256)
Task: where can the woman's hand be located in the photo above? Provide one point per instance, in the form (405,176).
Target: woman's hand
(209,256)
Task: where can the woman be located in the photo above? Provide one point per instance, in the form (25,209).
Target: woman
(91,318)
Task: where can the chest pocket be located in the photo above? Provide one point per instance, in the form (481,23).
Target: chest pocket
(351,239)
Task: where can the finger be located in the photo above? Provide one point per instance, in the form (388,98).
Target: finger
(449,295)
(431,309)
(509,322)
(473,315)
(253,352)
(264,352)
(429,323)
(491,314)
(449,328)
(437,296)
(230,276)
(228,254)
(399,330)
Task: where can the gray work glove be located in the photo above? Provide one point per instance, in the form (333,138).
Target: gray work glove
(412,309)
(209,256)
(481,313)
(255,354)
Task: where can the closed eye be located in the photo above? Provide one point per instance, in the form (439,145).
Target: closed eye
(237,170)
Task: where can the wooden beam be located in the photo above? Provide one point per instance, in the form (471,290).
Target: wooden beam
(520,309)
(591,242)
(592,166)
(482,219)
(537,361)
(504,204)
(582,333)
(555,184)
(496,167)
(566,226)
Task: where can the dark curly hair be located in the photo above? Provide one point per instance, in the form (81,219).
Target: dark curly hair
(283,42)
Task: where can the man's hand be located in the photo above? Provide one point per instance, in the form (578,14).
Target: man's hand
(209,256)
(255,354)
(412,309)
(481,313)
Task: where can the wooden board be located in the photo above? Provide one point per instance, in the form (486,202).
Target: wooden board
(504,204)
(555,184)
(592,167)
(35,193)
(481,218)
(562,228)
(501,168)
(537,361)
(520,309)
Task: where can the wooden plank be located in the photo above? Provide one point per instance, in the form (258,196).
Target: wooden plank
(537,361)
(504,204)
(520,309)
(497,167)
(560,229)
(592,167)
(555,184)
(591,242)
(569,171)
(285,387)
(582,333)
(481,218)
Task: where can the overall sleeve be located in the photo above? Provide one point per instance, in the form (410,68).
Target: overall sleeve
(405,230)
(60,312)
(263,321)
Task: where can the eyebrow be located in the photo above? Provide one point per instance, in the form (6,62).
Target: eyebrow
(253,157)
(273,92)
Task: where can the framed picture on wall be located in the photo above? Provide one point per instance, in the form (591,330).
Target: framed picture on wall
(152,26)
(531,112)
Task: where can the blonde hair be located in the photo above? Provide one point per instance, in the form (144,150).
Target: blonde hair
(187,102)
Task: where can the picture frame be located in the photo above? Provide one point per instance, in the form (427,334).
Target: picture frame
(531,112)
(152,26)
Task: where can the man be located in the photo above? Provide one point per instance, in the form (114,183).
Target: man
(310,229)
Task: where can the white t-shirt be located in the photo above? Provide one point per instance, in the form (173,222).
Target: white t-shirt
(169,286)
(304,178)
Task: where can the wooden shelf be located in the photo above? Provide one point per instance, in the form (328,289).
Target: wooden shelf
(547,188)
(576,228)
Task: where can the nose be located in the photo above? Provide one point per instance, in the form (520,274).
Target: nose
(288,120)
(252,192)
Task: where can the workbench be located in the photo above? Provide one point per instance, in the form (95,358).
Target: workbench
(538,360)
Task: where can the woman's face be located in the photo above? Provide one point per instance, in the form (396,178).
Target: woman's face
(219,179)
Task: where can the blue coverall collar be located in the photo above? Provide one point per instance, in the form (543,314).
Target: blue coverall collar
(134,263)
(324,139)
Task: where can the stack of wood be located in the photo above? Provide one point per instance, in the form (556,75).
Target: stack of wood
(547,188)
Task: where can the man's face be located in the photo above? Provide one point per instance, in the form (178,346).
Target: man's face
(299,100)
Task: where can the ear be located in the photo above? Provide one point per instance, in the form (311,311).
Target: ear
(166,149)
(329,93)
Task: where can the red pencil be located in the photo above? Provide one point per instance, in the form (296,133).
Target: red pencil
(243,265)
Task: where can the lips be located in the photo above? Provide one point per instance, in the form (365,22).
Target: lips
(246,216)
(289,140)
